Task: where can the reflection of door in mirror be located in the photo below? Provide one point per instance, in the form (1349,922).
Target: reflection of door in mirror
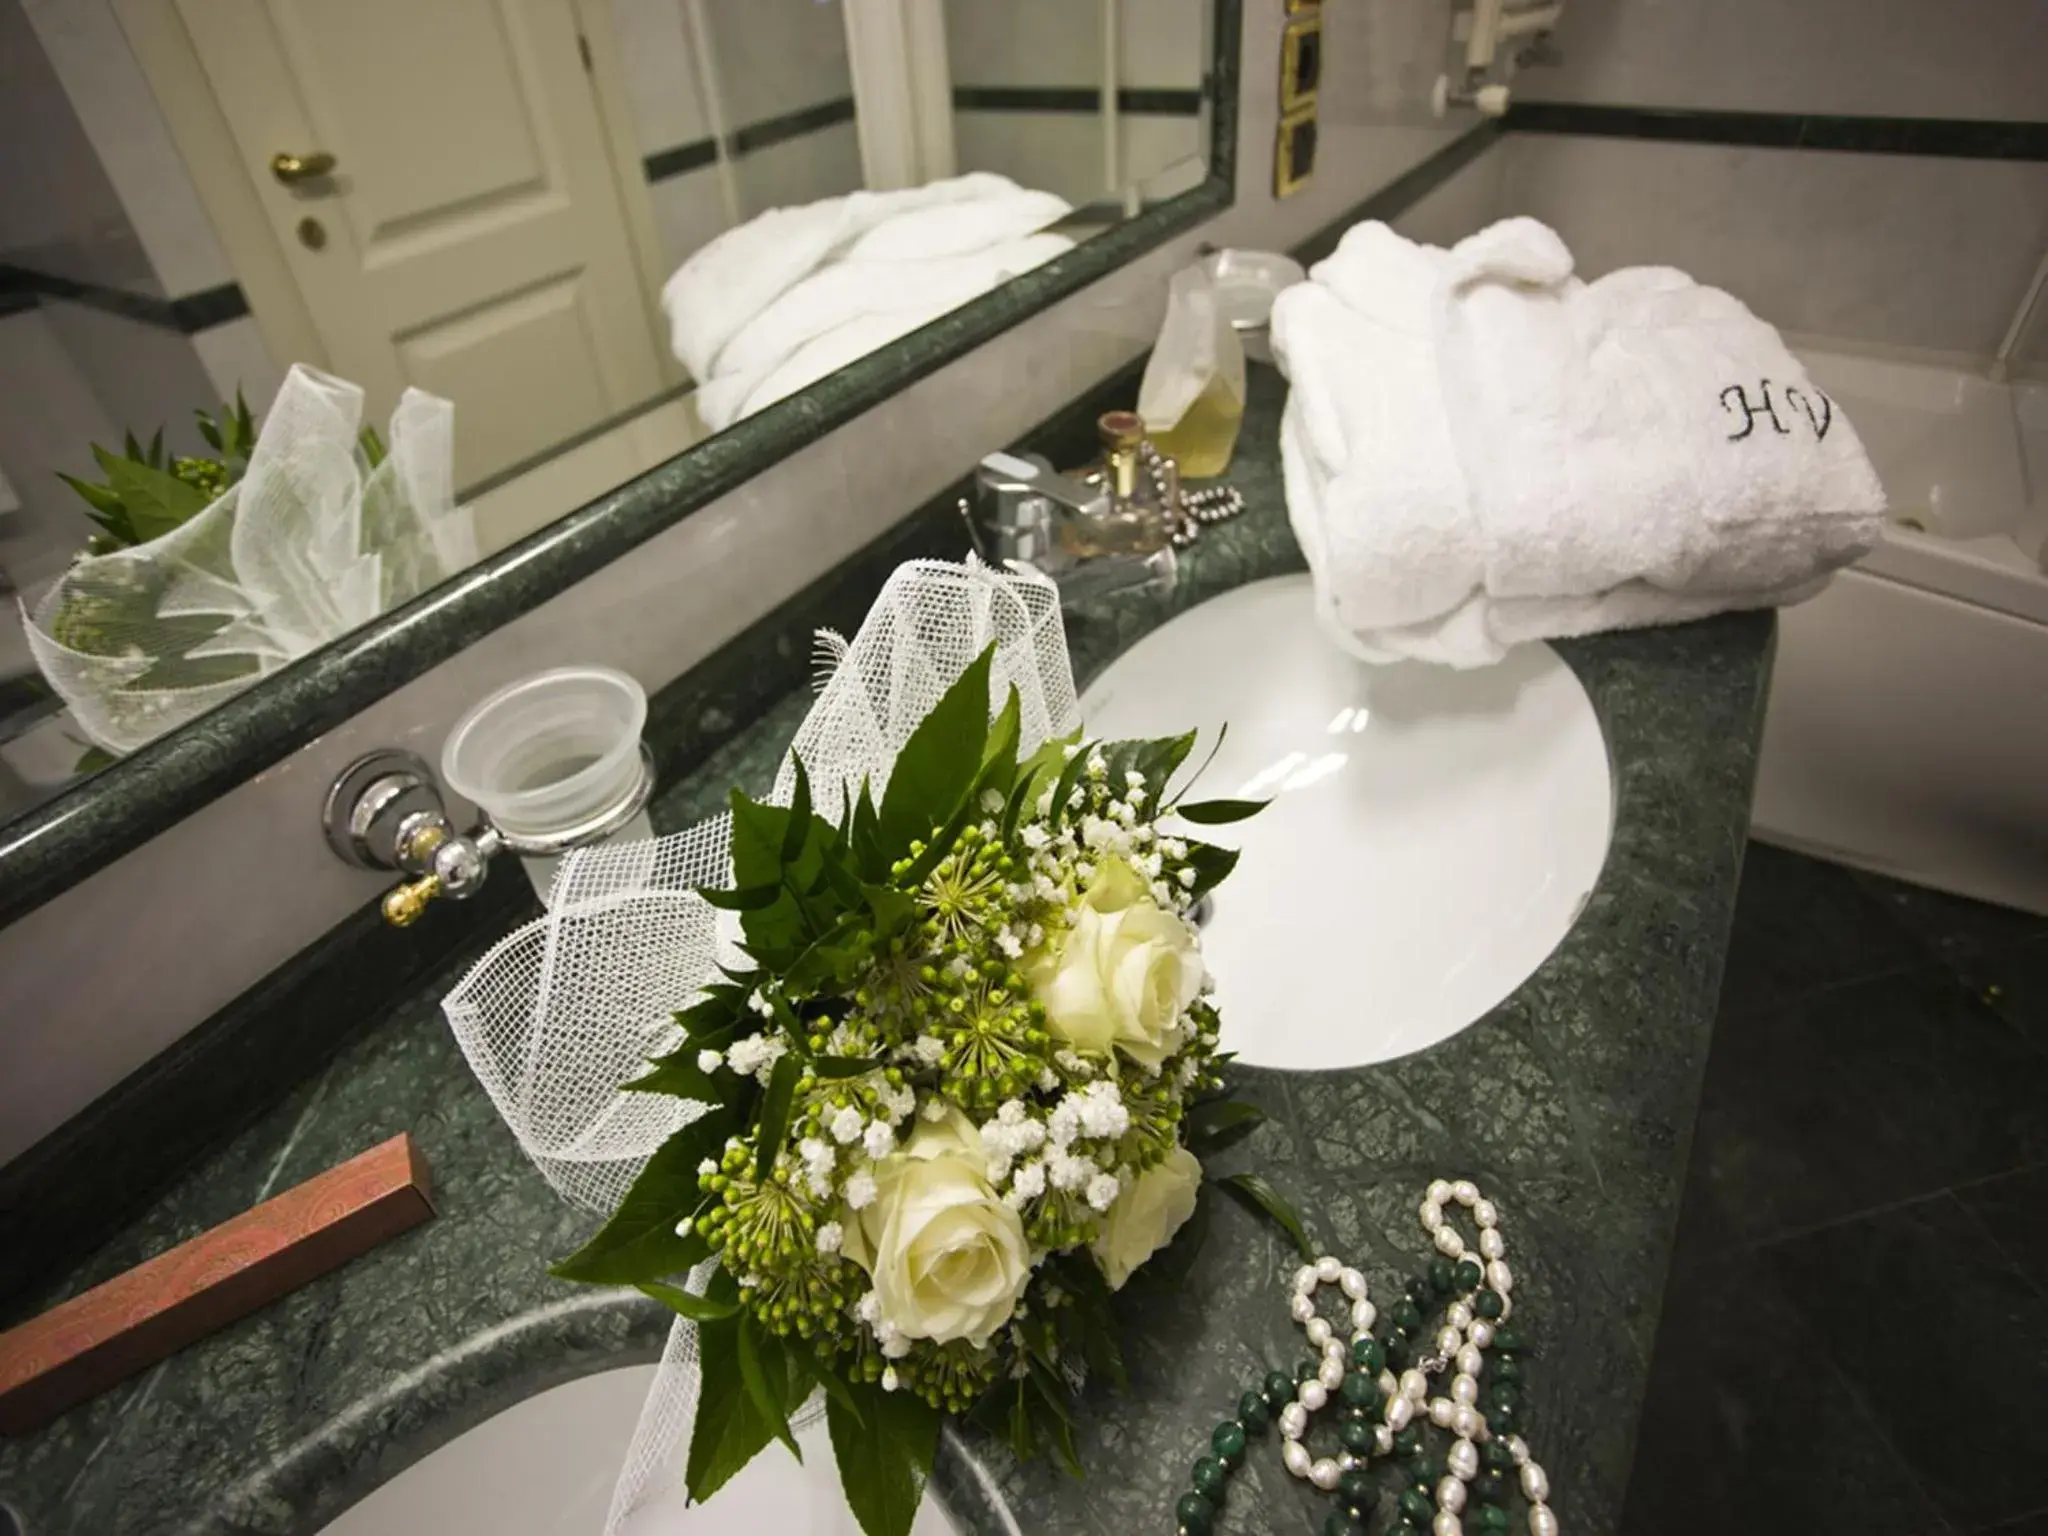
(436,178)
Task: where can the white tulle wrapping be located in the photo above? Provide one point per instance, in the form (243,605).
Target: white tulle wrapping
(307,546)
(561,1012)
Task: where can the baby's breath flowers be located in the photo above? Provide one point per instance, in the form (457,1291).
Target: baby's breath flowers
(950,1108)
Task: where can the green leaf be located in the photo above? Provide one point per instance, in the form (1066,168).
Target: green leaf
(730,1430)
(999,754)
(829,959)
(778,930)
(1088,1327)
(156,502)
(1055,1419)
(893,909)
(799,826)
(1216,813)
(773,1125)
(98,497)
(1023,1433)
(131,447)
(639,1242)
(939,763)
(698,1309)
(838,886)
(1157,760)
(885,1455)
(830,1068)
(209,431)
(1222,732)
(1070,775)
(761,1353)
(718,1009)
(752,898)
(837,1389)
(678,1075)
(757,833)
(1253,1192)
(941,843)
(864,838)
(156,450)
(1211,864)
(1218,1123)
(1034,776)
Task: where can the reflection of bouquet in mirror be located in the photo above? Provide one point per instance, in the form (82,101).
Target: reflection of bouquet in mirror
(919,1055)
(314,528)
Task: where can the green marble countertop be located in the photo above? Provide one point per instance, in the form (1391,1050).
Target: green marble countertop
(1571,1103)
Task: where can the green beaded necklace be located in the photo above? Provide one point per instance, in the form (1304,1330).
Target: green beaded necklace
(1380,1380)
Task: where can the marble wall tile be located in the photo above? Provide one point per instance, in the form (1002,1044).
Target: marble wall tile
(776,56)
(51,416)
(689,212)
(145,376)
(120,116)
(1154,144)
(58,212)
(1048,42)
(235,356)
(1058,152)
(1892,58)
(824,163)
(1468,202)
(1160,44)
(1896,250)
(660,75)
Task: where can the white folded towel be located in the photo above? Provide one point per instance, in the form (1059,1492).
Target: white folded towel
(792,295)
(1480,449)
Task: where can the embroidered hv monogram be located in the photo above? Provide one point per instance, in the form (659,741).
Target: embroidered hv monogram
(1818,419)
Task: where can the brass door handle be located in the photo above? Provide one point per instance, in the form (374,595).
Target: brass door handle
(293,169)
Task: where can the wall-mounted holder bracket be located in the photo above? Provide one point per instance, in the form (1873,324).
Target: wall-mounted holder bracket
(385,811)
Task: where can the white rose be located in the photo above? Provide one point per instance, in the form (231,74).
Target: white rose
(1122,974)
(1146,1215)
(948,1258)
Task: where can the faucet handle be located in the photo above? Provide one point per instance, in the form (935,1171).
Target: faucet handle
(1011,475)
(1021,496)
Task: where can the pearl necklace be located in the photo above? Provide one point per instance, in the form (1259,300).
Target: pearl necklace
(1188,511)
(1385,1409)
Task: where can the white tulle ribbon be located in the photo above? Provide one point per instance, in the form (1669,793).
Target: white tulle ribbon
(311,543)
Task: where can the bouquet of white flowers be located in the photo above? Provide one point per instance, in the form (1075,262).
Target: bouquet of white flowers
(951,1099)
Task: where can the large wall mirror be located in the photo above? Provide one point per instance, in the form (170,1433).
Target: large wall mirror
(311,310)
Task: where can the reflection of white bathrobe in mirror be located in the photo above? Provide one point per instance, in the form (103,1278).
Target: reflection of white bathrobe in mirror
(793,295)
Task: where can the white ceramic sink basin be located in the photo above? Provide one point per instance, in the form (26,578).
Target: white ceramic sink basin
(1433,834)
(546,1466)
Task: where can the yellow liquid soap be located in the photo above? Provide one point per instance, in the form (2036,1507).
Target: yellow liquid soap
(1202,441)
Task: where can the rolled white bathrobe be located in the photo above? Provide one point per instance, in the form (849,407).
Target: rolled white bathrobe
(1637,450)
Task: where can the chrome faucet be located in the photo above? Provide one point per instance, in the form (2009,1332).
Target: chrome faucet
(1086,533)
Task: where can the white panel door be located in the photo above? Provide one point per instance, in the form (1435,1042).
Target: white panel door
(473,240)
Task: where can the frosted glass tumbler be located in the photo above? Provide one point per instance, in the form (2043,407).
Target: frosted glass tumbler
(552,754)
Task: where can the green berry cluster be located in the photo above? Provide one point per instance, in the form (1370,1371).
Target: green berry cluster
(1059,1220)
(766,1236)
(951,1377)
